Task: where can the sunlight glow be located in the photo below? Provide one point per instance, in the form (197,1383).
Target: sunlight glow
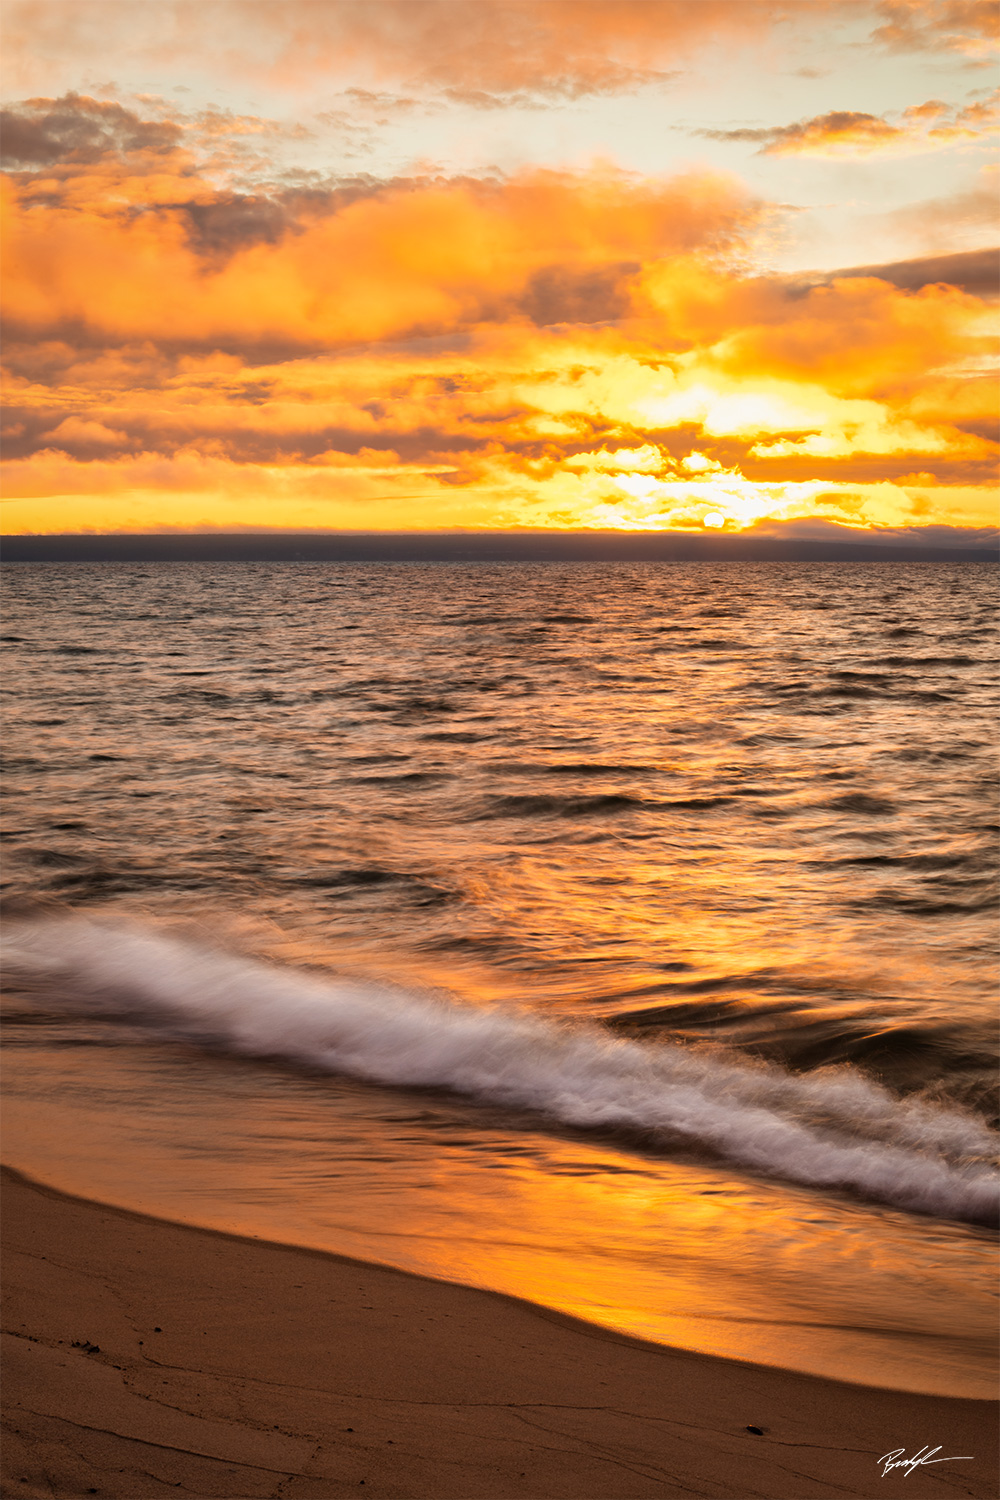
(549,348)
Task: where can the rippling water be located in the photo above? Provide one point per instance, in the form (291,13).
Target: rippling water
(620,936)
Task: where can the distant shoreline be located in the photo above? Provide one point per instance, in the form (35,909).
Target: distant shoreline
(465,547)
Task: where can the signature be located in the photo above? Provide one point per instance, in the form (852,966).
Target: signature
(894,1460)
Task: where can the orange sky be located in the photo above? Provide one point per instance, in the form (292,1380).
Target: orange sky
(199,333)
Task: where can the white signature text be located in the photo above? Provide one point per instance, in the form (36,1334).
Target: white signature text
(895,1459)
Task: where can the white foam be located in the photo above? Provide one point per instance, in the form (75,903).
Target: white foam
(831,1129)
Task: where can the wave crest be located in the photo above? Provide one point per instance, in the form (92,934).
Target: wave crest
(833,1129)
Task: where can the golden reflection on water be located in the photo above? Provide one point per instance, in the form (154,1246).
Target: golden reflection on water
(751,797)
(677,1253)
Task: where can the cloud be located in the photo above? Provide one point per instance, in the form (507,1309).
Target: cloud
(121,253)
(476,53)
(86,434)
(56,138)
(965,26)
(545,349)
(78,129)
(816,528)
(974,271)
(932,126)
(729,410)
(549,49)
(819,136)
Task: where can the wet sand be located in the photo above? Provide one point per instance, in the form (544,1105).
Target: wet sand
(145,1358)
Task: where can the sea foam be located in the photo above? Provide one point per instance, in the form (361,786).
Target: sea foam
(830,1129)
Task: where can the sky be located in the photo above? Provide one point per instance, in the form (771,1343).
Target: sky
(692,265)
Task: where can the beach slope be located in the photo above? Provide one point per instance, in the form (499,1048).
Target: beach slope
(144,1358)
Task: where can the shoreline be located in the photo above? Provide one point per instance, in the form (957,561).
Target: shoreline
(142,1356)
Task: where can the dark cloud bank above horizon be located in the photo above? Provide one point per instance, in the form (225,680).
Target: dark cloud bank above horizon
(815,541)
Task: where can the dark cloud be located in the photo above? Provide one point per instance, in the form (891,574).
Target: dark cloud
(231,221)
(974,271)
(24,429)
(818,528)
(872,468)
(41,132)
(558,294)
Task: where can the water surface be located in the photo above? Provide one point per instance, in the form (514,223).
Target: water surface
(618,936)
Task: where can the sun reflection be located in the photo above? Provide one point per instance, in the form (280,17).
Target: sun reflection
(680,1254)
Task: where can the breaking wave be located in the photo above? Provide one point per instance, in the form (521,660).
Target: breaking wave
(834,1129)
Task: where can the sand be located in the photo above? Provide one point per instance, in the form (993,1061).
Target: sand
(147,1358)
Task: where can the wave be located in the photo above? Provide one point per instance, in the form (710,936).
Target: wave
(832,1129)
(573,768)
(550,805)
(541,805)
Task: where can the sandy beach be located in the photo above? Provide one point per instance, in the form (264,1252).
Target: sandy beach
(144,1358)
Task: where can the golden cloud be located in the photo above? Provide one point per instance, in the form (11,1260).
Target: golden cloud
(550,349)
(427,256)
(932,126)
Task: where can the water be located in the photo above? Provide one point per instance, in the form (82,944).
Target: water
(616,936)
